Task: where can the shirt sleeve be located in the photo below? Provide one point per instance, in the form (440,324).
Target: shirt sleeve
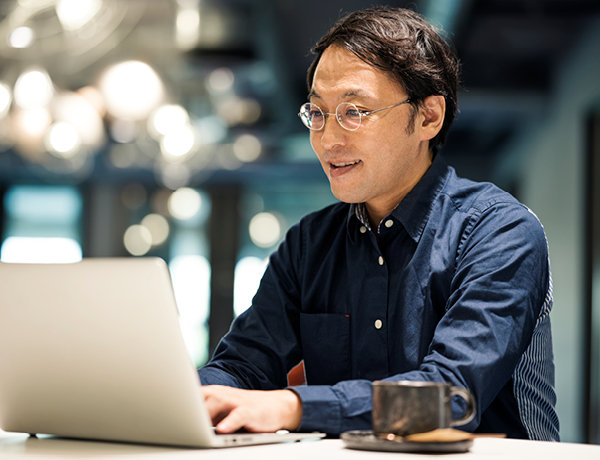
(496,295)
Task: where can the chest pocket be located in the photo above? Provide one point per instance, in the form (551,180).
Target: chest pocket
(326,346)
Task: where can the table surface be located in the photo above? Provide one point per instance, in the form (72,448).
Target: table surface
(18,446)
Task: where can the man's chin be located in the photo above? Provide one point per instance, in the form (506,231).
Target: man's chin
(347,197)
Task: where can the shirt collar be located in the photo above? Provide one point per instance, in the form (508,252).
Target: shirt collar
(413,211)
(360,211)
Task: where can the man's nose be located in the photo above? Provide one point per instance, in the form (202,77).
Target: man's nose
(332,133)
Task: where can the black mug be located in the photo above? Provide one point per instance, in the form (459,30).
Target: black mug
(407,407)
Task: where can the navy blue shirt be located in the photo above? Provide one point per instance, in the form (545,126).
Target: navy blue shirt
(454,286)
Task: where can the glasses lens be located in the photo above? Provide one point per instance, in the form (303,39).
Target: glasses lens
(348,116)
(312,116)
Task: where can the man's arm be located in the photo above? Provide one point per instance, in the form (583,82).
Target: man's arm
(242,384)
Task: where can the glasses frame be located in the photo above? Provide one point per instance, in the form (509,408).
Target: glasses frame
(362,113)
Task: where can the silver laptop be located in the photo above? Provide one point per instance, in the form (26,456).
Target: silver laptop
(94,350)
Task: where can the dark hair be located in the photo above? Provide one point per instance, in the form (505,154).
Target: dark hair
(403,43)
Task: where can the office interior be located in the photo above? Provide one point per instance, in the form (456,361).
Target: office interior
(169,128)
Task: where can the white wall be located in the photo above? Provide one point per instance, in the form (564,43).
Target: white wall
(552,157)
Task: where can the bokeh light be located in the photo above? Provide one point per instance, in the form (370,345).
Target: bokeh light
(247,148)
(187,23)
(131,90)
(166,119)
(137,240)
(21,37)
(184,203)
(74,14)
(158,226)
(264,229)
(178,143)
(220,80)
(33,89)
(63,140)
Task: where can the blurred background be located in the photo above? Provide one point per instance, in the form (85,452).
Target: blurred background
(168,128)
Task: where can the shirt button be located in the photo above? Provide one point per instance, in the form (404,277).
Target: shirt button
(378,324)
(363,229)
(380,260)
(389,223)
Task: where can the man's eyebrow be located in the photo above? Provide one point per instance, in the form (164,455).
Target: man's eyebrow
(349,93)
(356,93)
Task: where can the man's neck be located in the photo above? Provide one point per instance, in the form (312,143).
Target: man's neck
(379,208)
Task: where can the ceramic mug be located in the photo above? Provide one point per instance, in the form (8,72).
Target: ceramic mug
(407,407)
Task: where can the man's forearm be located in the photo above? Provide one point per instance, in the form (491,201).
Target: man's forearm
(210,375)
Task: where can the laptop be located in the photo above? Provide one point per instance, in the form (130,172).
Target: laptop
(94,350)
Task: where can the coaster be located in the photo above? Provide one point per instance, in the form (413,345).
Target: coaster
(366,440)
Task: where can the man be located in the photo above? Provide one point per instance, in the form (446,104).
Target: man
(416,275)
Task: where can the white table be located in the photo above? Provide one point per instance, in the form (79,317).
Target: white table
(17,446)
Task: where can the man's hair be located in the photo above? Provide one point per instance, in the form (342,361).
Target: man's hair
(400,42)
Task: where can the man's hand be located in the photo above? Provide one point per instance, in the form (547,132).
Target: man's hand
(232,409)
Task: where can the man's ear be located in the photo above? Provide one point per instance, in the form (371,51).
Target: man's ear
(432,112)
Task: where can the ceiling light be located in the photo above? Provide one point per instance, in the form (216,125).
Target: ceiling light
(178,143)
(21,37)
(131,90)
(167,118)
(74,14)
(33,88)
(63,140)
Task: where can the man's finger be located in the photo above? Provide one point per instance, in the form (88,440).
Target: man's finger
(233,422)
(217,405)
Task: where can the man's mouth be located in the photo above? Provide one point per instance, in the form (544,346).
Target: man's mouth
(341,168)
(342,165)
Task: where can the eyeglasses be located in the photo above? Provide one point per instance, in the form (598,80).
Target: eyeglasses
(346,113)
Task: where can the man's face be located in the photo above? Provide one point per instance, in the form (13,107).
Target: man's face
(382,160)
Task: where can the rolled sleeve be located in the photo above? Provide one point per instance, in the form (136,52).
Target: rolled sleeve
(335,408)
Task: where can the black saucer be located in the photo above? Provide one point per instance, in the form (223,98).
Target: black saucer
(366,440)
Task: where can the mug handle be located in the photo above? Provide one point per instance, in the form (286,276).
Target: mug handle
(470,412)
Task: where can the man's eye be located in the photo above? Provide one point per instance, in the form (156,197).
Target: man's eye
(352,113)
(315,114)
